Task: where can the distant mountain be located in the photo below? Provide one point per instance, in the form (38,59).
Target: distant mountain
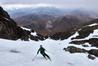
(14,12)
(50,10)
(62,20)
(45,26)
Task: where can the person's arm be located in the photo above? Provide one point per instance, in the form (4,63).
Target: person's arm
(38,51)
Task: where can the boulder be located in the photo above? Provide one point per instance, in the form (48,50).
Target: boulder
(93,52)
(73,49)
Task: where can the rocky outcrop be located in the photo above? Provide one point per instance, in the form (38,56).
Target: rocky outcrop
(77,42)
(61,35)
(92,53)
(9,28)
(73,49)
(85,31)
(91,41)
(91,57)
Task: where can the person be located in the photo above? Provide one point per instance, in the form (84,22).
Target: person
(42,51)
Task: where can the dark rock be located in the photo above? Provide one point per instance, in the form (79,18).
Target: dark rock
(3,13)
(85,45)
(9,28)
(93,52)
(32,30)
(85,31)
(34,38)
(79,42)
(40,37)
(73,49)
(93,42)
(61,35)
(91,57)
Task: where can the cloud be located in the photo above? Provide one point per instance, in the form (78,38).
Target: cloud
(88,4)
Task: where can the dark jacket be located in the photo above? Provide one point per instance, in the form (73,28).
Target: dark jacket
(41,50)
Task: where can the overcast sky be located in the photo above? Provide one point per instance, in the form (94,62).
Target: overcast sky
(89,4)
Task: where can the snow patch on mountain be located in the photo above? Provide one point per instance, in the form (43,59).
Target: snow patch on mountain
(93,24)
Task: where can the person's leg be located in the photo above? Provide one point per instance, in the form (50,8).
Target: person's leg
(44,56)
(47,56)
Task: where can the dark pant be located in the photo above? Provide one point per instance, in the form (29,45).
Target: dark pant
(45,56)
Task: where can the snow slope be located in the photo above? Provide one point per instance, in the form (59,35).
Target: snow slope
(26,51)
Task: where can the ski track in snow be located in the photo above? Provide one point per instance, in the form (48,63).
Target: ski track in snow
(27,51)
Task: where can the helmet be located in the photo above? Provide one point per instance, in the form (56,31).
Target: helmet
(40,45)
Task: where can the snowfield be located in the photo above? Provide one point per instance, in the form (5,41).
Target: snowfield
(21,53)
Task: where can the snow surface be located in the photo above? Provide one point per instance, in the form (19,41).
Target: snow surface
(32,33)
(93,24)
(27,51)
(26,29)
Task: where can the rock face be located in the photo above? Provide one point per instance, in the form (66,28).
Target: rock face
(86,30)
(91,41)
(91,57)
(92,53)
(73,49)
(9,29)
